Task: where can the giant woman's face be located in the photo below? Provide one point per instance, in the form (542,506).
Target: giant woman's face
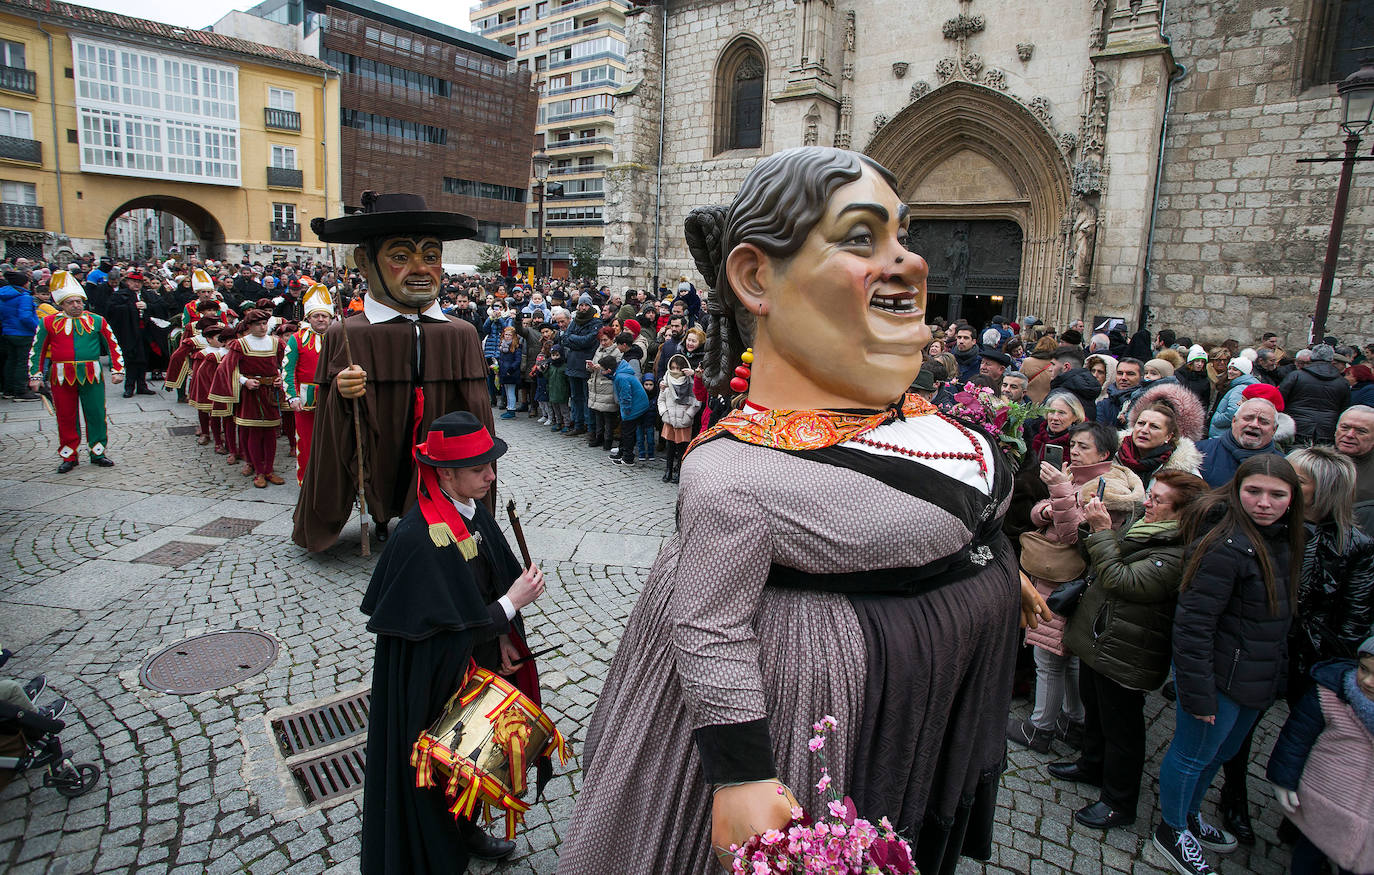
(408,272)
(847,310)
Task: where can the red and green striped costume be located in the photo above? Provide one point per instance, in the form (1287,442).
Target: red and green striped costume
(68,349)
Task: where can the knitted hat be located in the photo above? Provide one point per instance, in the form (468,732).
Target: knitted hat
(1267,392)
(1161,366)
(633,326)
(1367,647)
(1323,352)
(1242,364)
(1196,353)
(584,298)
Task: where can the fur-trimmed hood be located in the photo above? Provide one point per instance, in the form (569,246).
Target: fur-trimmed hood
(1110,362)
(1191,418)
(1186,457)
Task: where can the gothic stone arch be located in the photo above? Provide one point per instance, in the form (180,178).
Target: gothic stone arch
(741,92)
(1020,175)
(207,227)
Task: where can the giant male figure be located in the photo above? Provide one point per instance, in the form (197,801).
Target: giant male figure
(405,364)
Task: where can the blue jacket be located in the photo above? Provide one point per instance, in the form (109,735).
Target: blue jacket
(579,344)
(509,364)
(18,312)
(1222,456)
(1109,408)
(491,331)
(1305,723)
(1229,404)
(629,392)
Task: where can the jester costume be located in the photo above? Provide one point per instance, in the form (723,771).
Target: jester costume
(68,349)
(299,367)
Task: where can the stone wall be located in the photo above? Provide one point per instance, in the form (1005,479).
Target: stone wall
(1241,229)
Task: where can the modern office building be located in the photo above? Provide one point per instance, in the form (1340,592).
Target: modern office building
(575,49)
(424,107)
(104,115)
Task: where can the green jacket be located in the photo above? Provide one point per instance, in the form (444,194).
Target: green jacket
(1123,627)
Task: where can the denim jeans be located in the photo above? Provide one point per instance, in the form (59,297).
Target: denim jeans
(645,439)
(510,395)
(1196,754)
(1056,689)
(577,401)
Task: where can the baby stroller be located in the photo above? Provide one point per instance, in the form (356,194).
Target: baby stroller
(31,740)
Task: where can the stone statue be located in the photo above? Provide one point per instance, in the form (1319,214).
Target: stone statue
(1084,239)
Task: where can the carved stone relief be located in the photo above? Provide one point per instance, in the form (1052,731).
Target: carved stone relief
(1024,51)
(919,90)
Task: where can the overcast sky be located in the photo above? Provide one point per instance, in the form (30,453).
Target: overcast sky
(206,12)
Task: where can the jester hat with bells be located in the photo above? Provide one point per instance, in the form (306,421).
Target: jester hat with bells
(63,286)
(455,440)
(317,299)
(200,281)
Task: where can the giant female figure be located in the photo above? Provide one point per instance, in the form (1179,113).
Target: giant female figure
(839,551)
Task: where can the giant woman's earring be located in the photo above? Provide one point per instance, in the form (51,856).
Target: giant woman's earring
(740,382)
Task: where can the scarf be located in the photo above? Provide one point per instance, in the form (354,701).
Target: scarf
(1358,701)
(446,525)
(1146,463)
(682,387)
(1144,531)
(1043,438)
(809,429)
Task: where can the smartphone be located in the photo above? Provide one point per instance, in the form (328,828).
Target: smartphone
(1054,454)
(1101,487)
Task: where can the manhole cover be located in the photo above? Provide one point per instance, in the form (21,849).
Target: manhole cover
(175,554)
(209,662)
(227,527)
(182,429)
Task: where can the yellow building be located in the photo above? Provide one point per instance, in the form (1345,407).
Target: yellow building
(102,114)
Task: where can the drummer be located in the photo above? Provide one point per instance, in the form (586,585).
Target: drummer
(446,589)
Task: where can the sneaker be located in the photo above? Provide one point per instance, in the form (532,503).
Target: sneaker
(543,420)
(1210,837)
(508,415)
(35,687)
(54,709)
(1181,849)
(1024,733)
(628,461)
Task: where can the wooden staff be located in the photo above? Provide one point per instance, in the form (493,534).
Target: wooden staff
(357,437)
(519,533)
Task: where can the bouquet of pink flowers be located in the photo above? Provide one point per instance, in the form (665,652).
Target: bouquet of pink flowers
(843,842)
(1001,418)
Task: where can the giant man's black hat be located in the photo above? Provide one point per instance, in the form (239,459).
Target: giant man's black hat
(389,215)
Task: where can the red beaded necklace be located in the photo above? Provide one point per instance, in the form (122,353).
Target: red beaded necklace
(975,456)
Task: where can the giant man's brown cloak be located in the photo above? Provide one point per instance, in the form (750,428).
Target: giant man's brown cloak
(443,358)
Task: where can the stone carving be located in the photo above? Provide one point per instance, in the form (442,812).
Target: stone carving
(844,127)
(1068,141)
(919,90)
(995,78)
(1084,241)
(879,121)
(842,140)
(849,31)
(899,68)
(749,68)
(1040,108)
(1024,51)
(972,65)
(964,26)
(847,71)
(945,68)
(811,135)
(1087,178)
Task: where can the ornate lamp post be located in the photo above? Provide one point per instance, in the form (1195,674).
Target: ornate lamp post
(1357,112)
(541,163)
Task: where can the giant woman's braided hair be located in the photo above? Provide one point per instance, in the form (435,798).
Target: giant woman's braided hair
(778,204)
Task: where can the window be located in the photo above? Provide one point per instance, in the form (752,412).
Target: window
(739,97)
(541,63)
(25,193)
(280,98)
(522,43)
(525,15)
(284,157)
(1342,32)
(541,9)
(14,123)
(11,54)
(488,190)
(586,161)
(393,127)
(389,74)
(541,36)
(284,214)
(562,80)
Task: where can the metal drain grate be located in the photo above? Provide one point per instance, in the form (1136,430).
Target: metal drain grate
(180,430)
(175,554)
(209,662)
(331,776)
(325,725)
(227,527)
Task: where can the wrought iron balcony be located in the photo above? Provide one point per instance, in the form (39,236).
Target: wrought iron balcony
(286,232)
(285,177)
(18,79)
(282,119)
(21,216)
(20,149)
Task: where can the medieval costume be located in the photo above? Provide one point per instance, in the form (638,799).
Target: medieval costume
(427,608)
(204,362)
(299,368)
(256,411)
(67,349)
(129,323)
(419,366)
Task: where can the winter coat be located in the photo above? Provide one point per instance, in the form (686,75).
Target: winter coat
(1362,393)
(1325,752)
(559,391)
(629,392)
(1225,638)
(1228,405)
(127,323)
(1222,456)
(492,329)
(510,365)
(666,350)
(675,413)
(1037,370)
(1199,384)
(579,343)
(1335,597)
(1109,408)
(1186,457)
(1082,383)
(1109,381)
(601,385)
(969,363)
(1059,517)
(1124,622)
(18,312)
(1315,396)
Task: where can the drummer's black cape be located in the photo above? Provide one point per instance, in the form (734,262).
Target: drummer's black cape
(428,614)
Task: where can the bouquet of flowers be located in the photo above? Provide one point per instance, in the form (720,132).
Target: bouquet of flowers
(842,842)
(1001,418)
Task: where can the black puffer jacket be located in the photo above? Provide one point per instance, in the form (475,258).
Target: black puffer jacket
(1080,382)
(1315,396)
(1335,597)
(1123,624)
(1197,383)
(1225,638)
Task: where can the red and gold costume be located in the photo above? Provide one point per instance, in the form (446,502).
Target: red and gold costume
(301,361)
(256,411)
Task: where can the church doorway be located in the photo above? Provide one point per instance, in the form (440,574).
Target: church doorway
(155,226)
(975,268)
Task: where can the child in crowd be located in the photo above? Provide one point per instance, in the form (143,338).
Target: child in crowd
(509,359)
(601,399)
(645,436)
(539,372)
(633,402)
(558,390)
(677,407)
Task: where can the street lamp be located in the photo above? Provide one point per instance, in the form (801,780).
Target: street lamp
(1357,111)
(541,163)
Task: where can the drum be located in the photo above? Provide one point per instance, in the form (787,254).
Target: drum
(483,744)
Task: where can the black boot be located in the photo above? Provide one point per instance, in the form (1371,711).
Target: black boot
(1235,812)
(481,845)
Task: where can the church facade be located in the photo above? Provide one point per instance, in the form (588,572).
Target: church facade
(1094,159)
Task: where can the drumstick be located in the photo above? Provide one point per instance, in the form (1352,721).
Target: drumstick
(519,533)
(534,654)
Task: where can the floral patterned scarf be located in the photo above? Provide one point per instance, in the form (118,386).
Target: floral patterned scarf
(808,429)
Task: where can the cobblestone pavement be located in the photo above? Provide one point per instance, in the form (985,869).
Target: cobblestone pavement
(196,784)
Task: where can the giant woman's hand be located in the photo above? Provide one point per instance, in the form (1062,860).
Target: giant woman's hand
(352,382)
(744,810)
(1033,607)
